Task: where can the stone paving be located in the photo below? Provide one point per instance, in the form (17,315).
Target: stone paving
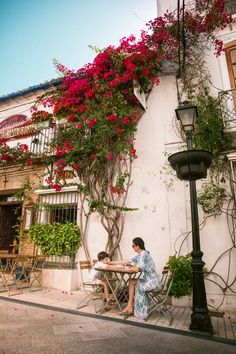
(30,329)
(224,327)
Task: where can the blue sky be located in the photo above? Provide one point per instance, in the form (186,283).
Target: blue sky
(33,32)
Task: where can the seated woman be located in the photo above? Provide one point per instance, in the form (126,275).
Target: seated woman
(138,302)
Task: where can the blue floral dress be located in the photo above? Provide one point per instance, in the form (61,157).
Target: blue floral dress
(148,280)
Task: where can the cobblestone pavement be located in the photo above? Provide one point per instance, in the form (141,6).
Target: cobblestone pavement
(32,330)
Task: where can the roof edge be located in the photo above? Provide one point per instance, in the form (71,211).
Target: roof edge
(43,86)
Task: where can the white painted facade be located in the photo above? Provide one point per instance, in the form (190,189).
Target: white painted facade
(163,217)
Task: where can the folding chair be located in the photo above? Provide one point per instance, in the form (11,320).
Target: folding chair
(159,298)
(13,275)
(92,291)
(35,272)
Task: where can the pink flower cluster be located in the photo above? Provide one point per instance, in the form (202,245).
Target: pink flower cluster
(98,100)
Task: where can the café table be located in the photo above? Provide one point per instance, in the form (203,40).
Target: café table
(118,277)
(6,260)
(14,271)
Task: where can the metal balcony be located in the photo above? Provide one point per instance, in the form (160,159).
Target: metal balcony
(41,142)
(228,104)
(231,6)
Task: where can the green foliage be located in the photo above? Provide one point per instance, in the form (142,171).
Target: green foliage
(209,133)
(56,239)
(101,207)
(182,283)
(211,198)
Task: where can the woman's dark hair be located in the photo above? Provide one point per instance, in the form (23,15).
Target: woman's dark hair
(138,241)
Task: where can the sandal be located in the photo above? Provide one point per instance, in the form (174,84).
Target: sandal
(108,306)
(126,314)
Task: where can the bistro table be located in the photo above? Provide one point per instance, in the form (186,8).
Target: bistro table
(6,260)
(15,270)
(118,277)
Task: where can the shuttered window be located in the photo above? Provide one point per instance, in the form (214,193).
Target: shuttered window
(58,207)
(230,52)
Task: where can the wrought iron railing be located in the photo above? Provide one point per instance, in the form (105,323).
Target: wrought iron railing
(41,141)
(60,262)
(228,104)
(231,6)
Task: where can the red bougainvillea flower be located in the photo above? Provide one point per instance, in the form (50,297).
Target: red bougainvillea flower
(75,166)
(91,122)
(24,147)
(93,156)
(71,118)
(28,162)
(113,118)
(117,190)
(133,153)
(57,187)
(119,131)
(126,120)
(60,163)
(82,108)
(59,151)
(110,155)
(79,125)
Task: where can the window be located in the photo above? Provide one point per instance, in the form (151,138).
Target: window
(63,214)
(58,207)
(230,52)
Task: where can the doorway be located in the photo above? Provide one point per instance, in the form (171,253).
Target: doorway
(9,214)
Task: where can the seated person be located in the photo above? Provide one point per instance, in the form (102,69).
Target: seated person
(138,302)
(96,277)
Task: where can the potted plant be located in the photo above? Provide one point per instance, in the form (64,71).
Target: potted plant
(182,282)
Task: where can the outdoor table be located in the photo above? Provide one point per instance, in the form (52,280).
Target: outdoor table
(14,270)
(118,277)
(8,258)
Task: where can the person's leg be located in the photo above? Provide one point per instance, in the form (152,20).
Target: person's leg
(132,285)
(104,284)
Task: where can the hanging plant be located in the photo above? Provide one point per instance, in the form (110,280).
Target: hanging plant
(211,198)
(56,239)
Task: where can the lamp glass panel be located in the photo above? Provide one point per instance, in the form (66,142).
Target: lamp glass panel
(187,117)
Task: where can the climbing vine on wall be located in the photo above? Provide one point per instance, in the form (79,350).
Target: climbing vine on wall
(98,112)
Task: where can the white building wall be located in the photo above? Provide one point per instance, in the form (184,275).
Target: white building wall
(163,216)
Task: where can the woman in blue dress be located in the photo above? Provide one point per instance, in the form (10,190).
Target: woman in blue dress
(138,303)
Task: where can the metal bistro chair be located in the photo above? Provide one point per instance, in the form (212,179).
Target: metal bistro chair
(93,291)
(13,275)
(159,298)
(35,272)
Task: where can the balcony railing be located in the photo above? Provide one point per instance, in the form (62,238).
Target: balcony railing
(41,142)
(228,104)
(231,6)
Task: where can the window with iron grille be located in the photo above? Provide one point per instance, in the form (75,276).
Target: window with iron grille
(58,207)
(63,214)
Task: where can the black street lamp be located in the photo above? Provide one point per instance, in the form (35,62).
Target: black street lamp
(192,165)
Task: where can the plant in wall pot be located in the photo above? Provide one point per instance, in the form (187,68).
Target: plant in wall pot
(182,283)
(56,239)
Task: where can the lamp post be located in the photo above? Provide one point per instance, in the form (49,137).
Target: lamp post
(192,165)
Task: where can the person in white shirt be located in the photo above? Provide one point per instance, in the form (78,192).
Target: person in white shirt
(96,277)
